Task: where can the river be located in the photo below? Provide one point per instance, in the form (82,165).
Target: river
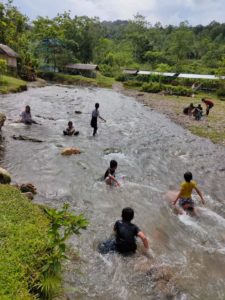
(152,154)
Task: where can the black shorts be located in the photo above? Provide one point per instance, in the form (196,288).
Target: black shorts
(186,201)
(94,123)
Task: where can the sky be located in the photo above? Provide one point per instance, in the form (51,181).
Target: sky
(164,11)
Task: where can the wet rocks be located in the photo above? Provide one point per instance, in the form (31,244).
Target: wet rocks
(26,138)
(28,188)
(5,177)
(2,120)
(78,112)
(70,151)
(108,151)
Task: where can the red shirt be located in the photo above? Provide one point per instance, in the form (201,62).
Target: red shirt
(208,102)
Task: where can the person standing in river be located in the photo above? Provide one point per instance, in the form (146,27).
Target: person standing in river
(94,119)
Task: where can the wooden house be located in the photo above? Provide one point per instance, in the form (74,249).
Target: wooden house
(88,70)
(9,55)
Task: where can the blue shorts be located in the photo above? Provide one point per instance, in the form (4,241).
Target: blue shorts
(185,201)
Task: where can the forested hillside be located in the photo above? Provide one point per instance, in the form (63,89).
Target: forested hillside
(133,44)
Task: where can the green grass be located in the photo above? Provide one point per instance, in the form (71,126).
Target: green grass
(23,240)
(100,80)
(11,85)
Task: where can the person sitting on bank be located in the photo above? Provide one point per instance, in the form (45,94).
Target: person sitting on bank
(198,112)
(70,130)
(109,176)
(125,236)
(209,104)
(189,109)
(26,117)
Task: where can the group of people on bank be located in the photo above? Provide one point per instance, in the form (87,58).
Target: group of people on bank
(197,111)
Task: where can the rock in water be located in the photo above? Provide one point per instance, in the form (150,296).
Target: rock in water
(5,177)
(28,187)
(26,138)
(70,151)
(78,112)
(2,120)
(29,195)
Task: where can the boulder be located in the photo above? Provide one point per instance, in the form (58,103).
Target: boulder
(28,187)
(26,138)
(70,151)
(5,177)
(2,120)
(29,195)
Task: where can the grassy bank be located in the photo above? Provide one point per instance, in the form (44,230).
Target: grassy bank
(211,127)
(100,80)
(24,242)
(11,85)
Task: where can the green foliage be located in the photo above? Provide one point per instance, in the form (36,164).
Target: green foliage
(221,92)
(11,85)
(63,224)
(133,83)
(3,67)
(152,87)
(24,239)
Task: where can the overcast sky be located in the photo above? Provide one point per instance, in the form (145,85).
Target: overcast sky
(164,11)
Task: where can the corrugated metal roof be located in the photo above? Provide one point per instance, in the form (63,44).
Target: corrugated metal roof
(8,51)
(88,67)
(199,76)
(130,72)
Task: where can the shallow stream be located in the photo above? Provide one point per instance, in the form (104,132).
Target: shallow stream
(152,154)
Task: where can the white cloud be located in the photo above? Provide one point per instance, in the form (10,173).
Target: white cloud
(165,11)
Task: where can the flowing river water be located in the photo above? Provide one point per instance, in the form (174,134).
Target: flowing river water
(152,154)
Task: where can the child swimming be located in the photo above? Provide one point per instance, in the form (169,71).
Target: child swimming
(70,130)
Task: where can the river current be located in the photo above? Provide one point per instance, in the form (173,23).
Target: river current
(152,154)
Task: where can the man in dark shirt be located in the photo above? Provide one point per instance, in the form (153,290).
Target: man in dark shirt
(209,104)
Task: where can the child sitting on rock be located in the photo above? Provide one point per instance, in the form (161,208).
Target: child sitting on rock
(109,176)
(70,130)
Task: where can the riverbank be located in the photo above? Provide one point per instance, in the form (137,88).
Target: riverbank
(99,81)
(10,84)
(24,244)
(211,127)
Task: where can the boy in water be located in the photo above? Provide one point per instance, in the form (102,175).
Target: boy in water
(94,119)
(26,117)
(109,176)
(184,196)
(70,130)
(125,236)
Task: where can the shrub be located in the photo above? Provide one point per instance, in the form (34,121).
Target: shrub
(133,83)
(221,92)
(178,90)
(3,67)
(152,87)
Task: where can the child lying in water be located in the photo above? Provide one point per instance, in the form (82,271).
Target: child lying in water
(109,176)
(70,130)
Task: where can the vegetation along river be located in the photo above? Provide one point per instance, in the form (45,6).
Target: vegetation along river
(152,154)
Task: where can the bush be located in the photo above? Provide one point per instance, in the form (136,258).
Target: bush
(3,67)
(133,83)
(221,92)
(178,90)
(122,78)
(152,87)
